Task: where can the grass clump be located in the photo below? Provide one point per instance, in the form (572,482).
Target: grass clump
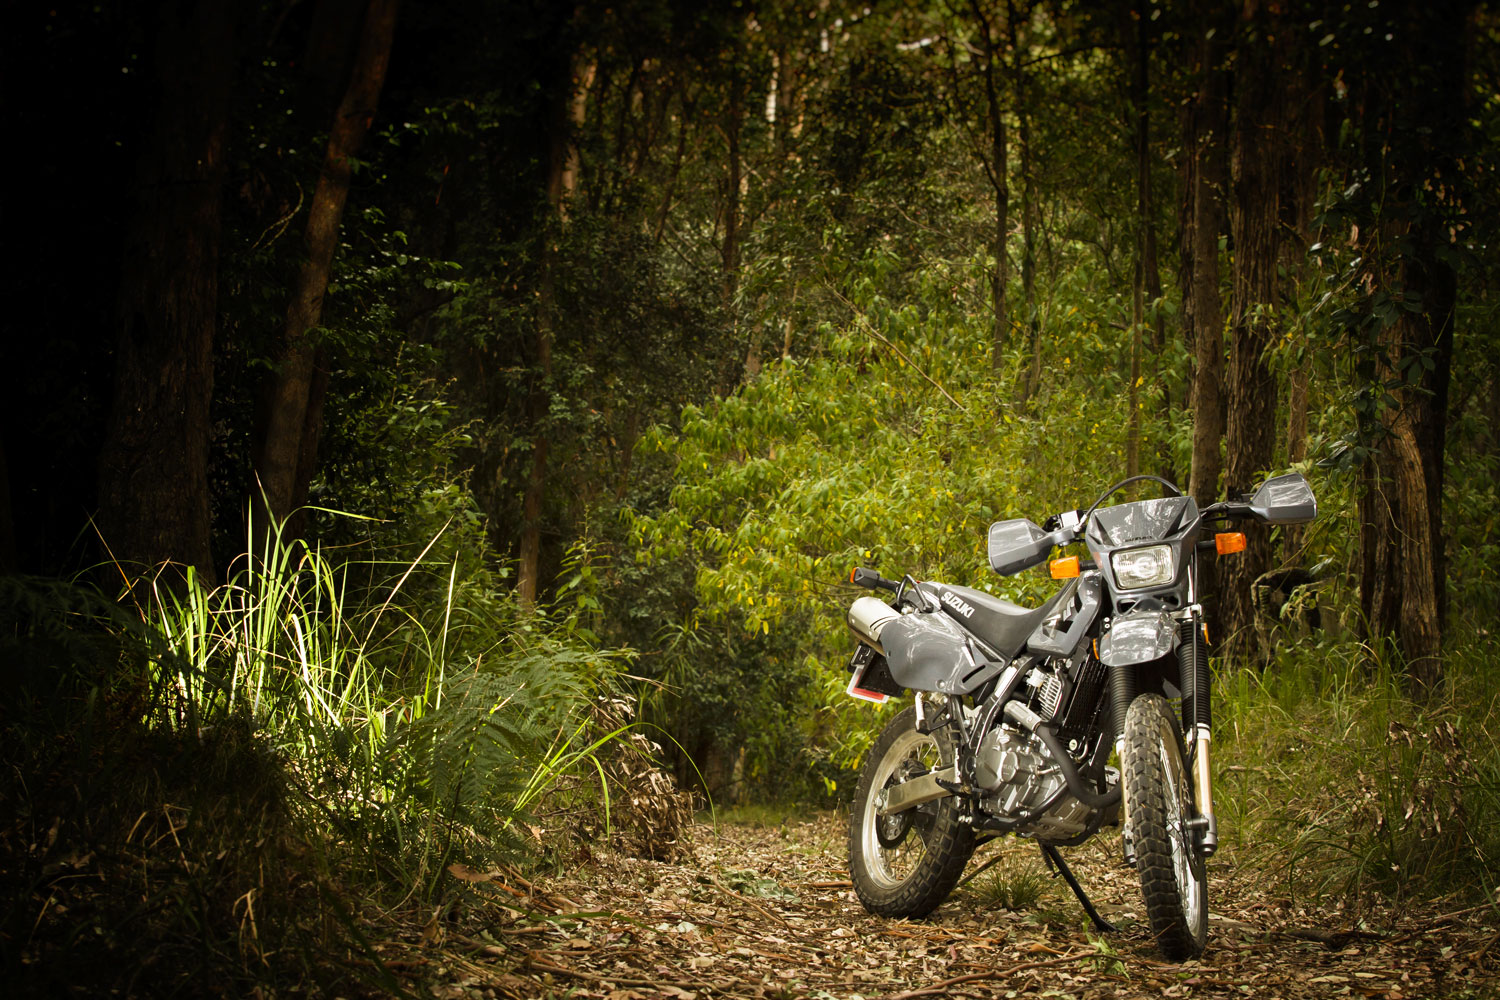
(1348,786)
(1014,881)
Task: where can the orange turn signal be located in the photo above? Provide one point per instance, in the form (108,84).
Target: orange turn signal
(852,571)
(1227,542)
(1064,569)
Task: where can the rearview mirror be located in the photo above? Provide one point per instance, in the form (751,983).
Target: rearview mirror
(1017,544)
(1284,499)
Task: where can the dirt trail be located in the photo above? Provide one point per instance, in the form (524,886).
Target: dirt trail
(768,912)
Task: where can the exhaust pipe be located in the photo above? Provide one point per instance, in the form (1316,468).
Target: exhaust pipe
(867,617)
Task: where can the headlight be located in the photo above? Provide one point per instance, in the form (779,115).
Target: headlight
(1151,566)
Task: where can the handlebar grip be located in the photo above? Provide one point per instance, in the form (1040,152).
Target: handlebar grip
(870,579)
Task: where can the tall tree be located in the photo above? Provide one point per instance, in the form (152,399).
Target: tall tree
(1205,143)
(1305,155)
(1255,220)
(153,476)
(987,57)
(1413,131)
(1021,87)
(568,108)
(1136,33)
(293,412)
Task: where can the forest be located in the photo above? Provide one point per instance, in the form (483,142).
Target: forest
(437,436)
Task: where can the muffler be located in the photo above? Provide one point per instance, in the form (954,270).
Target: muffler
(867,616)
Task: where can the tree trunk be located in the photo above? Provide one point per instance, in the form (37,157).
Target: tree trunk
(1147,285)
(1259,143)
(153,475)
(1205,141)
(1403,586)
(1019,84)
(1296,447)
(734,119)
(997,167)
(562,177)
(664,210)
(1304,155)
(1422,129)
(1000,330)
(283,471)
(1133,392)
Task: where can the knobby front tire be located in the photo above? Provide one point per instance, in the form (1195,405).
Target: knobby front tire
(1158,803)
(907,864)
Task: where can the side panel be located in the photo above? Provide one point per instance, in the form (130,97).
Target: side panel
(928,652)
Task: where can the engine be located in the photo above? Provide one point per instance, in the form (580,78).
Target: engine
(1016,771)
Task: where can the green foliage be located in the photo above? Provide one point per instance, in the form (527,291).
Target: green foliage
(855,456)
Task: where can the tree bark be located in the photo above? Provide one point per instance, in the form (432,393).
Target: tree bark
(1403,586)
(1020,87)
(1205,142)
(1422,130)
(568,115)
(998,168)
(1259,144)
(734,122)
(153,475)
(1297,384)
(1304,154)
(1147,272)
(293,414)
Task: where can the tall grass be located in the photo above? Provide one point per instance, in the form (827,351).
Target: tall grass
(230,773)
(418,735)
(1332,776)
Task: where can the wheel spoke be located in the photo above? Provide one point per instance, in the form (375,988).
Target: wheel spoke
(896,845)
(905,864)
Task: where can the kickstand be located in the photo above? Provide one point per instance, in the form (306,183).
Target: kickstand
(1055,859)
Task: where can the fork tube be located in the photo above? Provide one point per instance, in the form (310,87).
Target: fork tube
(1122,690)
(1192,661)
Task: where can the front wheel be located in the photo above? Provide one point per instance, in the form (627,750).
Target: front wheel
(1159,803)
(905,864)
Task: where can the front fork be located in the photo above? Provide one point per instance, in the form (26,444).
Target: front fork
(1192,667)
(1193,673)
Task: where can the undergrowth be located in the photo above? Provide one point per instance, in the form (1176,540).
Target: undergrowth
(1336,780)
(212,789)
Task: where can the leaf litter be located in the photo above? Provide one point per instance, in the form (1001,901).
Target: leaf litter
(768,912)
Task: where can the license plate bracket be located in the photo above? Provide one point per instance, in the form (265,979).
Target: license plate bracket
(871,680)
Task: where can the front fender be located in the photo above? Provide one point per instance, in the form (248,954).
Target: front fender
(1138,637)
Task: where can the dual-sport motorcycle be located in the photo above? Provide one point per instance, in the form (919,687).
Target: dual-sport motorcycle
(1018,710)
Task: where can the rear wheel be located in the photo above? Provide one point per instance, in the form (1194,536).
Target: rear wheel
(1159,803)
(905,864)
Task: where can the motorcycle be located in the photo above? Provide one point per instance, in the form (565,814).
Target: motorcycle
(1018,711)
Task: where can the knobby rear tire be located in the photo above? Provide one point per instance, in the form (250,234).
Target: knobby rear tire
(1158,803)
(906,865)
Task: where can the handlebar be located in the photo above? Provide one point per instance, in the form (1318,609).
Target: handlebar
(1227,510)
(872,580)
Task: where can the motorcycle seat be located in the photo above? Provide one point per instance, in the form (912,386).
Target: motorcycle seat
(999,623)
